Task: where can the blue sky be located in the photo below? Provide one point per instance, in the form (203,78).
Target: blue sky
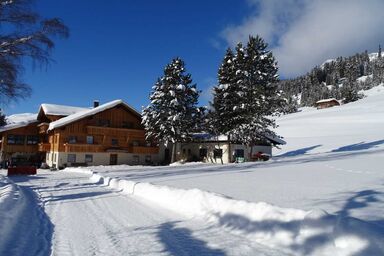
(118,48)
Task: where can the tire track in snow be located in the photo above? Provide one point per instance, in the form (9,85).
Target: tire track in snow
(96,220)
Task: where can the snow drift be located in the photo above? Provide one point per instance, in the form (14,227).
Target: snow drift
(290,230)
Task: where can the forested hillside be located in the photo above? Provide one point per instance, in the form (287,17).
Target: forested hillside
(341,78)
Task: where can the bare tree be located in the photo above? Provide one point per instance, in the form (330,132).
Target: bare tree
(23,34)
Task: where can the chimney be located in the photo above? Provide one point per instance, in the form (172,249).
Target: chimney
(96,103)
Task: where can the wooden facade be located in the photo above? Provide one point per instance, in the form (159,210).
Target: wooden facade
(113,129)
(20,143)
(106,133)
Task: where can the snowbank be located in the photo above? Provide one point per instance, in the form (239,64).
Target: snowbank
(11,206)
(291,230)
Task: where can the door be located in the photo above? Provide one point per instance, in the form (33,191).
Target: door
(113,159)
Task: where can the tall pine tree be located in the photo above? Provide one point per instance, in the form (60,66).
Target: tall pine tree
(172,114)
(261,100)
(220,114)
(246,98)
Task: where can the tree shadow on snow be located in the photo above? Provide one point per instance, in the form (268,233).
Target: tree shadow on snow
(327,228)
(179,241)
(79,196)
(298,152)
(359,146)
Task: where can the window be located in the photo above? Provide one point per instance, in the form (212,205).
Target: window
(72,139)
(89,139)
(88,158)
(136,159)
(114,142)
(239,153)
(217,153)
(32,140)
(104,122)
(71,158)
(15,139)
(203,152)
(148,159)
(54,157)
(135,143)
(128,125)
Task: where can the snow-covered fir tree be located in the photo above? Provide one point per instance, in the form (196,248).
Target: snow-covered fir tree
(246,97)
(260,99)
(221,116)
(172,114)
(2,118)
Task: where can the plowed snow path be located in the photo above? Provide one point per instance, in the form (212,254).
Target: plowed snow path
(91,219)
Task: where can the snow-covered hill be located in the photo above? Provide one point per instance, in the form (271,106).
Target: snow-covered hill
(321,194)
(353,126)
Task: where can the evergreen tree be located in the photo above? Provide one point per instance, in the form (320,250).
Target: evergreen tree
(172,114)
(2,119)
(221,114)
(261,100)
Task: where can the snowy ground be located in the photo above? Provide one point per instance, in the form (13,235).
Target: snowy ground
(63,213)
(330,173)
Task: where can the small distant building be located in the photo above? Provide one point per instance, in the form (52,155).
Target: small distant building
(327,103)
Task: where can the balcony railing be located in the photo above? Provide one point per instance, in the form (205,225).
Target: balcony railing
(83,148)
(144,150)
(109,131)
(44,147)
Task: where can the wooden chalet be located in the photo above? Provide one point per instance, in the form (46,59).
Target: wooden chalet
(19,140)
(108,134)
(327,103)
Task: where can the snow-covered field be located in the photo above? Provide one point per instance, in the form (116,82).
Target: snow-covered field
(321,194)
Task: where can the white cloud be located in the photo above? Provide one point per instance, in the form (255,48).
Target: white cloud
(304,33)
(206,94)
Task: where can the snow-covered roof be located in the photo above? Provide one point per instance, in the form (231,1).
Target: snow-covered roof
(88,112)
(18,120)
(210,137)
(275,139)
(60,110)
(326,100)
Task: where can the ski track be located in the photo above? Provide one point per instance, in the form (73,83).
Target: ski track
(92,219)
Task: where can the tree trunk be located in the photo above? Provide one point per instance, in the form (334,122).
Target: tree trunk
(173,159)
(229,149)
(250,154)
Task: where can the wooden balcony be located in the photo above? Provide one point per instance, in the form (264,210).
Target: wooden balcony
(43,127)
(109,131)
(83,148)
(145,150)
(44,147)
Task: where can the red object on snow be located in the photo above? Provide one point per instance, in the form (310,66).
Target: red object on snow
(22,170)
